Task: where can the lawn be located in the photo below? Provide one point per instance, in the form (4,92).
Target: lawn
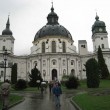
(94,99)
(92,102)
(13,99)
(28,89)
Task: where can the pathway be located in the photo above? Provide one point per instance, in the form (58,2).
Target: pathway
(35,101)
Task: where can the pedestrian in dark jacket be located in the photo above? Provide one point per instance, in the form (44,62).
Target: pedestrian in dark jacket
(57,92)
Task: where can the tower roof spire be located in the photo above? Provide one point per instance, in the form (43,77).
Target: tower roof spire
(52,3)
(52,9)
(7,31)
(8,23)
(97,17)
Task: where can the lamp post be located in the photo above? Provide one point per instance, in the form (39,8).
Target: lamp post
(5,54)
(4,64)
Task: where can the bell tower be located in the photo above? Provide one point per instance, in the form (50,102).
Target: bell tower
(99,35)
(7,39)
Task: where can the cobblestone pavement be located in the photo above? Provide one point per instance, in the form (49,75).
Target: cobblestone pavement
(35,101)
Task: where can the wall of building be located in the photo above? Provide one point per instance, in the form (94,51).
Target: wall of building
(37,46)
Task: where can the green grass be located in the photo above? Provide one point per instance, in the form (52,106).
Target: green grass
(31,89)
(105,84)
(91,102)
(28,89)
(13,99)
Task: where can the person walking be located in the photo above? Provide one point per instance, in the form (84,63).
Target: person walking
(42,89)
(50,86)
(57,92)
(5,92)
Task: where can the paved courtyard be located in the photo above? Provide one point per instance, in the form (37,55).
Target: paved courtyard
(35,101)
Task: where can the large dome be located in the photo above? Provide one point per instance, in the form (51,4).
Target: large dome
(52,28)
(49,30)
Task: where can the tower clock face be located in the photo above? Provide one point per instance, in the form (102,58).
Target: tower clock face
(100,29)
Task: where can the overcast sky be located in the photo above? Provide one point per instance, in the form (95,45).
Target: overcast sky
(28,16)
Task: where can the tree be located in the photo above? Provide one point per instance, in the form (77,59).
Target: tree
(104,73)
(34,76)
(14,74)
(92,73)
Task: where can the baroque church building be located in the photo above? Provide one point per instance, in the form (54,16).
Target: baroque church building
(53,51)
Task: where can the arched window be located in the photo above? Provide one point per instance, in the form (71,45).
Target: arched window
(64,72)
(64,47)
(64,62)
(54,62)
(44,63)
(72,72)
(102,46)
(43,47)
(52,20)
(3,48)
(72,62)
(53,47)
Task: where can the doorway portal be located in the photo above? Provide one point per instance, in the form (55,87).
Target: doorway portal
(54,74)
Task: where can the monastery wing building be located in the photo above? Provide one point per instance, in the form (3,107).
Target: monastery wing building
(53,51)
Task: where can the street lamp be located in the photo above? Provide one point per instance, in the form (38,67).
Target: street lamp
(5,55)
(4,63)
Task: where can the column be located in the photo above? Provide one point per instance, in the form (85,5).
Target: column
(67,66)
(59,66)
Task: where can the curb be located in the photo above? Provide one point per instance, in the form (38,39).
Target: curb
(75,105)
(16,103)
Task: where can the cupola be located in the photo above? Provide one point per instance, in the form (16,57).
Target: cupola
(7,31)
(98,26)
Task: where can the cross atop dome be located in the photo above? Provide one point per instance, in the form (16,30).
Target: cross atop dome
(52,9)
(97,17)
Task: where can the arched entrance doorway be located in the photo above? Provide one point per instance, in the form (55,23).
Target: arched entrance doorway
(72,72)
(54,74)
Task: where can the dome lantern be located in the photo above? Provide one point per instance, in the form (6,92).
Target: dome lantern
(52,17)
(52,28)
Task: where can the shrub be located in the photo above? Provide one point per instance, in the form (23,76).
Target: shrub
(92,73)
(21,84)
(63,83)
(64,79)
(72,83)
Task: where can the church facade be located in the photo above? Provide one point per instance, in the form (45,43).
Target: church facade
(53,51)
